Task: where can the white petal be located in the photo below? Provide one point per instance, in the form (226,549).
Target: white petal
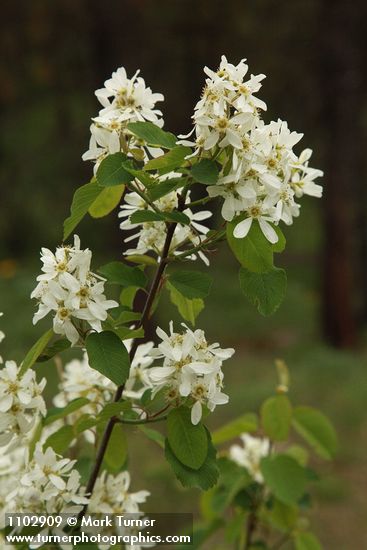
(242,228)
(196,413)
(268,231)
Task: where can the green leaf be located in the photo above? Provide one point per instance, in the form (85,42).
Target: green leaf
(83,198)
(306,541)
(50,351)
(205,171)
(126,333)
(264,290)
(127,317)
(299,453)
(191,284)
(142,259)
(245,423)
(106,201)
(285,477)
(233,479)
(158,190)
(85,422)
(108,355)
(146,179)
(254,251)
(317,430)
(152,134)
(57,413)
(116,453)
(188,309)
(112,170)
(113,409)
(60,440)
(121,274)
(276,417)
(171,160)
(189,443)
(283,516)
(153,435)
(204,478)
(280,245)
(142,216)
(35,351)
(127,296)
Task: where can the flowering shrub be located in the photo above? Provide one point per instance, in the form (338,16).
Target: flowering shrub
(160,183)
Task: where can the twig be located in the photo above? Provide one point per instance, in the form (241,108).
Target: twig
(142,322)
(142,421)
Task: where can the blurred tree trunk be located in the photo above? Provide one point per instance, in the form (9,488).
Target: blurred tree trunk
(339,84)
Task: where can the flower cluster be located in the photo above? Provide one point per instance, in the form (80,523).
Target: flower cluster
(124,100)
(262,175)
(47,484)
(191,370)
(80,380)
(151,235)
(249,456)
(12,463)
(69,289)
(21,402)
(111,496)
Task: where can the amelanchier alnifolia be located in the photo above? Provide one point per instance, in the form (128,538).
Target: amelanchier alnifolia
(167,189)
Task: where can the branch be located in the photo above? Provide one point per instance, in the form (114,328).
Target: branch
(250,528)
(144,318)
(252,521)
(148,420)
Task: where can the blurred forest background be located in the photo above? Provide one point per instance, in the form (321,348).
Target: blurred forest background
(314,53)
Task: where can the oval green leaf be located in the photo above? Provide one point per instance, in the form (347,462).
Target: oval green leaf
(112,171)
(276,417)
(106,201)
(285,477)
(189,443)
(264,290)
(152,134)
(191,284)
(317,430)
(108,355)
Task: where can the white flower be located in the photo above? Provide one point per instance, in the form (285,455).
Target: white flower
(103,142)
(124,100)
(191,370)
(139,379)
(250,454)
(263,215)
(303,176)
(151,235)
(68,288)
(80,380)
(47,484)
(261,173)
(21,402)
(111,495)
(131,99)
(48,468)
(228,107)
